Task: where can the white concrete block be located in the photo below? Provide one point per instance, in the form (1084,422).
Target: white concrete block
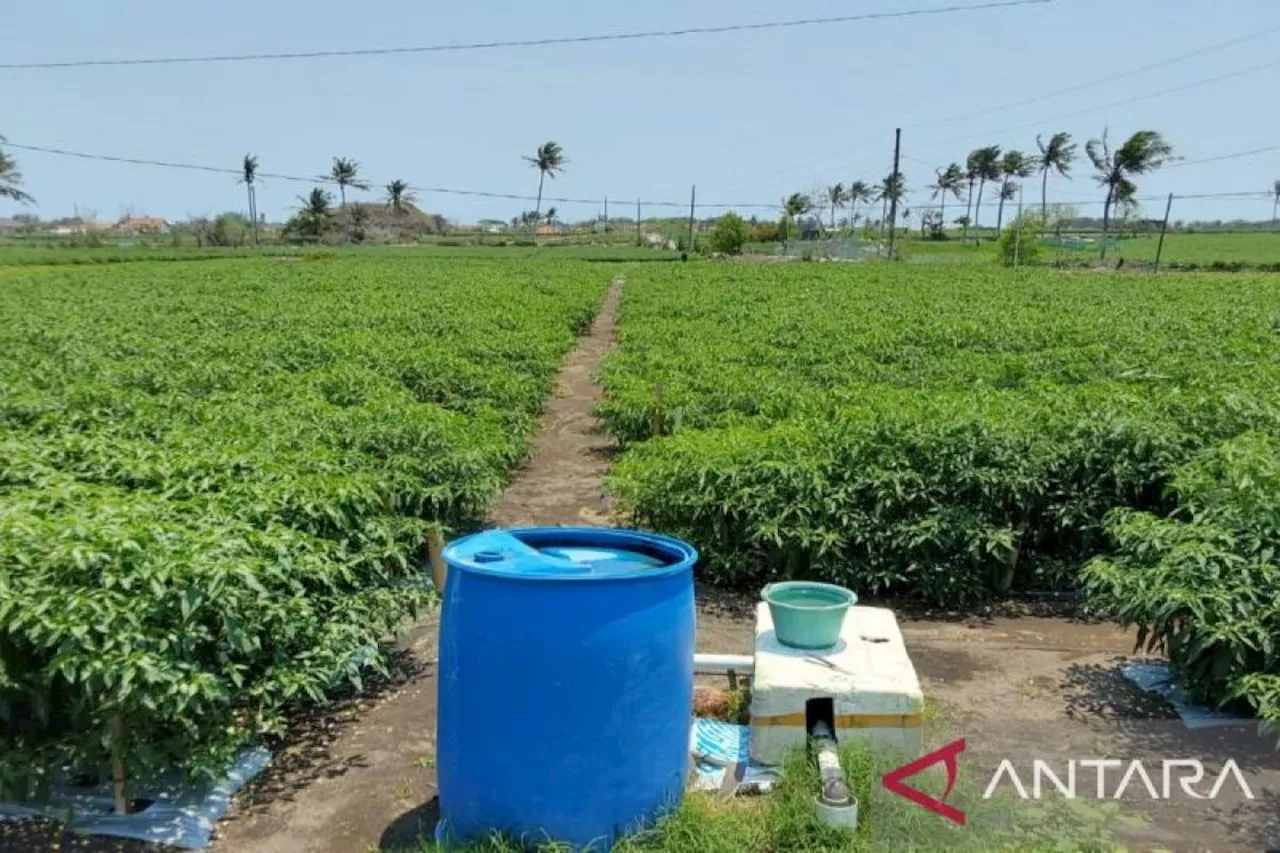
(868,676)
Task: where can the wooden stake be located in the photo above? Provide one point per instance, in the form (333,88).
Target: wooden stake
(117,765)
(435,549)
(1163,225)
(657,410)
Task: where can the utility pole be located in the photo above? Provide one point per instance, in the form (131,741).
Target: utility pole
(1163,225)
(639,239)
(693,197)
(893,185)
(606,214)
(1017,230)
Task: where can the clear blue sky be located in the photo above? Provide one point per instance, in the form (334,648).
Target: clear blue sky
(747,116)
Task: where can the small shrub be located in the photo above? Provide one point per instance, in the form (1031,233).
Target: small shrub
(1020,241)
(729,235)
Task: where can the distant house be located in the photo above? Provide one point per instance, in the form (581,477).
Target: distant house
(141,225)
(8,226)
(78,226)
(548,229)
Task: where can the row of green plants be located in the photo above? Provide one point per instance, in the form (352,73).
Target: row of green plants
(947,433)
(1202,583)
(218,482)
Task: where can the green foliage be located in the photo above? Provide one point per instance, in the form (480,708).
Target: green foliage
(1203,584)
(1019,242)
(952,433)
(229,229)
(218,480)
(729,234)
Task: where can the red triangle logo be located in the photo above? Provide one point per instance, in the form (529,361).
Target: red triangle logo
(946,755)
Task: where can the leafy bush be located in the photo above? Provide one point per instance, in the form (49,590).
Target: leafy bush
(1203,585)
(1020,240)
(729,235)
(229,229)
(218,481)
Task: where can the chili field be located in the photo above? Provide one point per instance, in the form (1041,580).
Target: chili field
(217,480)
(957,433)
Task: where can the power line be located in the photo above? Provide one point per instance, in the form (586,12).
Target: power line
(517,43)
(324,179)
(1173,60)
(1232,156)
(1123,102)
(1056,93)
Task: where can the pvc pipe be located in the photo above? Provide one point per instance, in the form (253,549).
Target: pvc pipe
(835,792)
(724,664)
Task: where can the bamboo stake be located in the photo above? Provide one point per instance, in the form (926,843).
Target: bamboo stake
(435,548)
(657,410)
(117,765)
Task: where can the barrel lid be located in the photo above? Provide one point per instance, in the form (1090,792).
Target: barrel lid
(570,553)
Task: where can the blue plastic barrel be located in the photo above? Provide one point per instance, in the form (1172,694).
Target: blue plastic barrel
(565,684)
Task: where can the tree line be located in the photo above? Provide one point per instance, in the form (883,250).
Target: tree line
(1115,169)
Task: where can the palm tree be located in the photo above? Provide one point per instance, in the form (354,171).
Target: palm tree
(970,175)
(984,165)
(345,173)
(1141,153)
(11,179)
(315,216)
(891,189)
(1057,154)
(317,203)
(1013,165)
(836,196)
(548,160)
(248,176)
(1275,188)
(550,216)
(797,204)
(858,191)
(398,195)
(951,180)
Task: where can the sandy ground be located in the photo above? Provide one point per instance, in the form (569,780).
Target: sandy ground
(360,775)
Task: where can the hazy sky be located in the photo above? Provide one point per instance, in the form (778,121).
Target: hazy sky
(747,116)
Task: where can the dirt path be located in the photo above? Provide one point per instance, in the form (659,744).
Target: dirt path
(563,481)
(366,778)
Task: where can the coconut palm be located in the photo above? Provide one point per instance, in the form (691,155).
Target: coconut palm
(1141,153)
(346,173)
(11,179)
(796,204)
(1275,188)
(984,165)
(836,197)
(1056,155)
(857,191)
(316,204)
(248,176)
(949,181)
(1012,165)
(398,195)
(891,189)
(548,160)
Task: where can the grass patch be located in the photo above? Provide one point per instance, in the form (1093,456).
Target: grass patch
(785,821)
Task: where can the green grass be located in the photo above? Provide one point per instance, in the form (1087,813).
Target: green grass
(785,821)
(28,256)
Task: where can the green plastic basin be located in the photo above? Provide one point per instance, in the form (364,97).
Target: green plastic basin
(808,615)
